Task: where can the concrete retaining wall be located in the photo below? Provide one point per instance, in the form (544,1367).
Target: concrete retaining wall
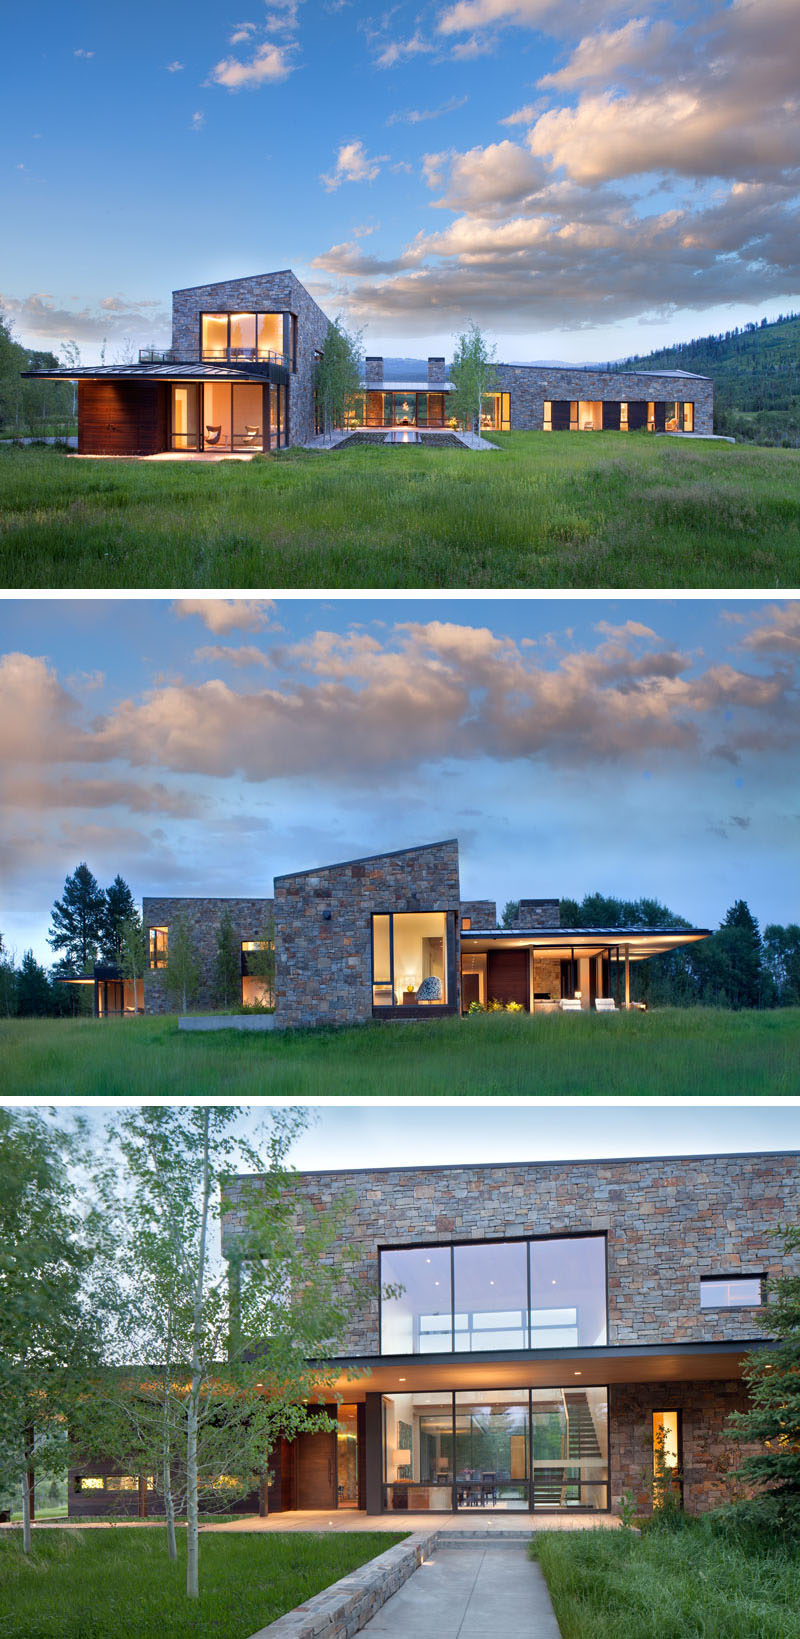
(227,1021)
(343,1609)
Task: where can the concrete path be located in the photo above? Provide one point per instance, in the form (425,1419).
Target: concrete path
(464,1523)
(467,1593)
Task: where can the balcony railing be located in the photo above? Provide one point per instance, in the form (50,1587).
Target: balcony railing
(155,355)
(244,355)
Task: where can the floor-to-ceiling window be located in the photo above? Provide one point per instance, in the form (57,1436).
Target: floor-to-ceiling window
(504,1450)
(238,337)
(410,959)
(186,416)
(347,1456)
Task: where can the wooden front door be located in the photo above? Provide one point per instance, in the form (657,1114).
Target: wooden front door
(316,1470)
(507,977)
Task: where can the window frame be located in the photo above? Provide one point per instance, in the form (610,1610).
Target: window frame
(288,357)
(155,928)
(721,1280)
(452,977)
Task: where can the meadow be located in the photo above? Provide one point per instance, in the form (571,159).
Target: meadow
(103,1584)
(683,1585)
(704,1051)
(562,510)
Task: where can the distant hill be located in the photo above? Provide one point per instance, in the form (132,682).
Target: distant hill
(756,375)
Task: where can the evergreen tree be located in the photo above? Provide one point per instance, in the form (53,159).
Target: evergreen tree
(782,962)
(78,922)
(8,981)
(33,990)
(227,962)
(473,375)
(119,908)
(773,1418)
(510,913)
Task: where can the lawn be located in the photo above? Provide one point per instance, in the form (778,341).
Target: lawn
(119,1584)
(541,511)
(671,1051)
(687,1585)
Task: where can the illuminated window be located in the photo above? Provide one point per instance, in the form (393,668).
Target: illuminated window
(258,972)
(590,415)
(466,923)
(214,335)
(623,418)
(185,416)
(688,418)
(409,959)
(666,1455)
(243,336)
(738,1292)
(547,423)
(573,417)
(158,943)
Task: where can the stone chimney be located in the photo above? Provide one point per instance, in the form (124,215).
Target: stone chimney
(436,373)
(373,371)
(538,913)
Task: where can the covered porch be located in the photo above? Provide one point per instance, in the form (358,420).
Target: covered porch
(560,970)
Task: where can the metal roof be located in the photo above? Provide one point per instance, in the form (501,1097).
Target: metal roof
(163,372)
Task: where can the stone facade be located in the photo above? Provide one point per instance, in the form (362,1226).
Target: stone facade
(323,928)
(538,913)
(203,918)
(437,373)
(482,913)
(669,1221)
(373,370)
(547,977)
(264,292)
(529,385)
(343,1609)
(706,1457)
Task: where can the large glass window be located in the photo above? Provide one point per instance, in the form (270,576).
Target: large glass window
(492,1444)
(238,336)
(570,1448)
(217,415)
(568,1293)
(270,334)
(347,1457)
(418,1452)
(248,415)
(186,416)
(409,959)
(491,1296)
(214,335)
(243,335)
(158,940)
(258,969)
(489,1308)
(416,1315)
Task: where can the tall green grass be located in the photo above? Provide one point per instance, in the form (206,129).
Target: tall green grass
(119,1583)
(540,511)
(669,1051)
(690,1585)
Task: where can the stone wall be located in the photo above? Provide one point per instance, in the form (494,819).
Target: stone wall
(437,373)
(529,385)
(203,918)
(538,913)
(373,370)
(343,1609)
(547,976)
(707,1456)
(481,912)
(669,1221)
(263,293)
(323,928)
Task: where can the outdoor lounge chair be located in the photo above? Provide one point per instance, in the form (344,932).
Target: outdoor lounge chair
(605,1004)
(570,1004)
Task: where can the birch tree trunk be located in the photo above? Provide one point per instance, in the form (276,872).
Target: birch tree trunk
(166,1455)
(192,1580)
(26,1513)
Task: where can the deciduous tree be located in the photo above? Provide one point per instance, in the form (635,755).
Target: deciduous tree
(338,377)
(182,973)
(473,375)
(227,962)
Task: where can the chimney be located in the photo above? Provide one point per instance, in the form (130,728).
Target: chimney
(373,371)
(539,913)
(436,373)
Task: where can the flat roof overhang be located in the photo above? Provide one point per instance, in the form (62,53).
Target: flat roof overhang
(565,942)
(406,387)
(542,1368)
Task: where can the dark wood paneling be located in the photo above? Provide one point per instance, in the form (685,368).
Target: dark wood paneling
(559,415)
(637,414)
(660,416)
(122,417)
(361,1431)
(507,976)
(611,412)
(470,989)
(316,1470)
(373,1439)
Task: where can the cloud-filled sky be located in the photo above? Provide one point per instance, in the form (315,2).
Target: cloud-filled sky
(585,180)
(632,746)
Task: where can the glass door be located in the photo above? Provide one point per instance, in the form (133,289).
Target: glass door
(491,1450)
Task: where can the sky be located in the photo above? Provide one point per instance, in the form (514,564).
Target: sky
(583,180)
(632,746)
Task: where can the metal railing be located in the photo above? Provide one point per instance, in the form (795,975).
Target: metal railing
(155,355)
(243,355)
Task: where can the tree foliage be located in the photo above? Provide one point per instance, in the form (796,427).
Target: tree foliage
(78,921)
(473,375)
(119,908)
(182,972)
(338,375)
(28,408)
(227,962)
(773,1381)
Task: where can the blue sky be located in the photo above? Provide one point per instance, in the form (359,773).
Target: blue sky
(201,746)
(584,180)
(375,1135)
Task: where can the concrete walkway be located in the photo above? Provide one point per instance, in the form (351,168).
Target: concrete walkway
(464,1523)
(467,1593)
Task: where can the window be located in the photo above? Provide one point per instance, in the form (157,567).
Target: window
(496,414)
(258,972)
(466,923)
(666,1455)
(409,959)
(186,416)
(547,423)
(688,418)
(228,337)
(547,1293)
(113,1482)
(734,1292)
(158,943)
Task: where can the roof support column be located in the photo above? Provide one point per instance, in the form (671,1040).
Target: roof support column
(627,976)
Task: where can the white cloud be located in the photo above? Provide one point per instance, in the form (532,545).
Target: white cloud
(222,615)
(416,116)
(198,121)
(269,65)
(353,164)
(39,318)
(175,68)
(81,53)
(398,51)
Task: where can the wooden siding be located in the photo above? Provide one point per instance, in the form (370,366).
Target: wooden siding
(507,976)
(122,417)
(316,1470)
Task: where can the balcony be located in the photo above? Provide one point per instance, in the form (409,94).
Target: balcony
(244,355)
(155,355)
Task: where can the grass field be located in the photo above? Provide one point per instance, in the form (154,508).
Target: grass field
(672,1051)
(690,1585)
(555,511)
(119,1584)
